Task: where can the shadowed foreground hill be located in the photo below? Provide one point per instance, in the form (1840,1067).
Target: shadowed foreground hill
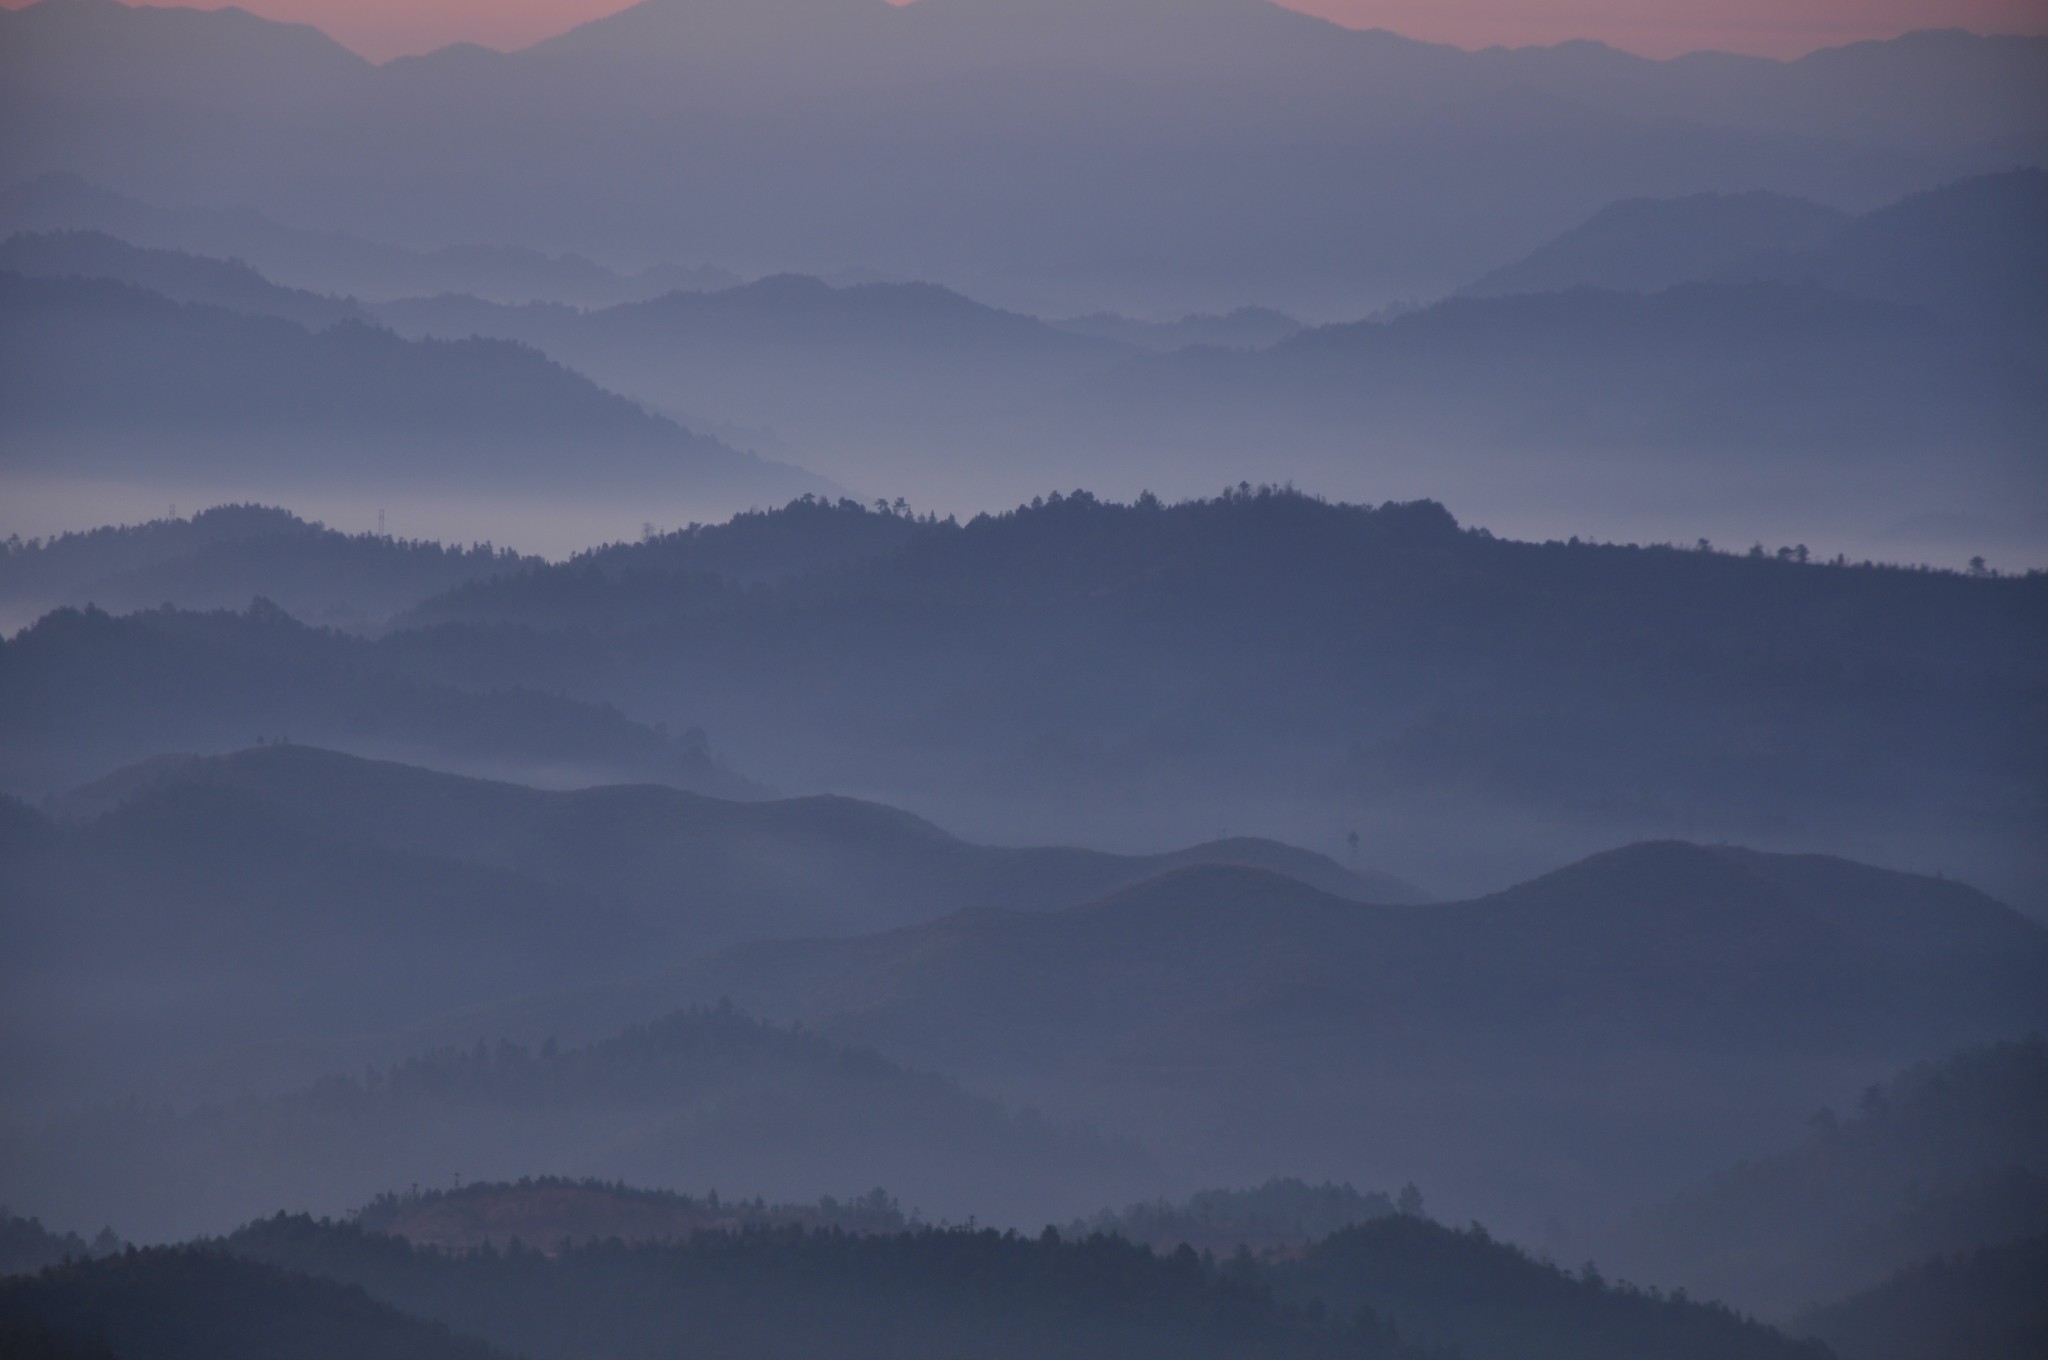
(1948,1156)
(200,1303)
(773,1293)
(1982,1305)
(697,1101)
(1575,1037)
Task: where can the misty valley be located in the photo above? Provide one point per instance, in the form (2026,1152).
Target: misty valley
(991,679)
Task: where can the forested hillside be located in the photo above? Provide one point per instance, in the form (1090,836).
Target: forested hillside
(226,556)
(943,1293)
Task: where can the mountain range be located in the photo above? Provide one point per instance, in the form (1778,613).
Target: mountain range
(161,877)
(1753,347)
(329,262)
(1267,157)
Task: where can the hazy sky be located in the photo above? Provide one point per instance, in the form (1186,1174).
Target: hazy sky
(385,28)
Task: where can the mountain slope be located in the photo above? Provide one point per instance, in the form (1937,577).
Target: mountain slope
(1944,1158)
(1484,1299)
(1965,249)
(181,277)
(850,373)
(103,378)
(1981,1305)
(1641,245)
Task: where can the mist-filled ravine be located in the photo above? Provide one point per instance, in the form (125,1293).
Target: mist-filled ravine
(992,679)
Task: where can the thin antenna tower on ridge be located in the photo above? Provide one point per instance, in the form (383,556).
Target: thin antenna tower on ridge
(380,524)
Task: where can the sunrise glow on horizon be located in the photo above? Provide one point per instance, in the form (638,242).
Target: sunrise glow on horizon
(382,29)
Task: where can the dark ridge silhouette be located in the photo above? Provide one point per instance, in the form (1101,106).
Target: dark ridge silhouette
(1277,1218)
(944,1292)
(105,378)
(201,1303)
(1465,1293)
(1981,1305)
(1945,1157)
(82,693)
(223,557)
(695,1101)
(548,1211)
(1644,244)
(333,263)
(26,1246)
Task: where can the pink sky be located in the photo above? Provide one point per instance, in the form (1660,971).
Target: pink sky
(1785,28)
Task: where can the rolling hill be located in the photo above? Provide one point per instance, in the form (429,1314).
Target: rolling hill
(1563,1044)
(702,871)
